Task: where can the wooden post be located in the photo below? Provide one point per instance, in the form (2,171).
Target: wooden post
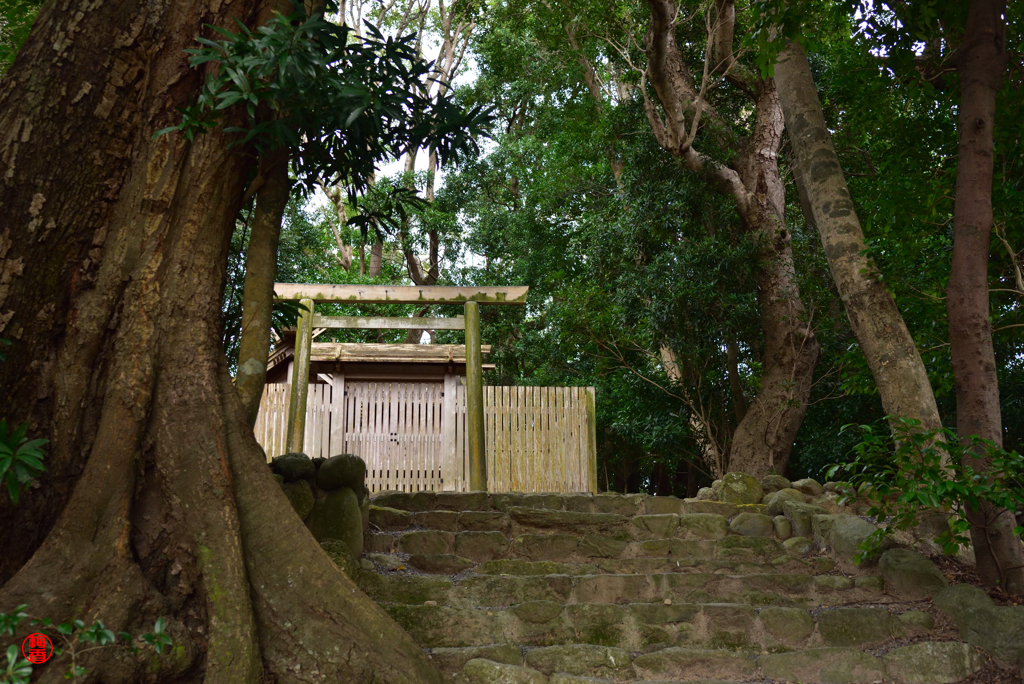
(475,400)
(591,428)
(300,377)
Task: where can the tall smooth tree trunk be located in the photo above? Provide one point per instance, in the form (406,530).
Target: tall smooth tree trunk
(113,250)
(258,290)
(980,61)
(877,323)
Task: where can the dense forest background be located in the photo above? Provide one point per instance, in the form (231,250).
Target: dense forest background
(628,254)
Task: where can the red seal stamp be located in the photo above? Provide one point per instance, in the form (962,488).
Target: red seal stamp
(37,648)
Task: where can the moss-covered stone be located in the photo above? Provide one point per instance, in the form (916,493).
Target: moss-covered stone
(481,546)
(660,505)
(694,663)
(858,626)
(407,589)
(659,526)
(545,546)
(581,659)
(481,671)
(809,487)
(783,528)
(787,626)
(452,659)
(717,507)
(294,466)
(343,470)
(910,575)
(773,483)
(740,488)
(600,546)
(300,496)
(517,566)
(337,516)
(437,520)
(752,525)
(823,666)
(426,541)
(601,624)
(800,515)
(799,546)
(488,590)
(440,563)
(917,622)
(389,519)
(931,662)
(702,526)
(484,521)
(775,500)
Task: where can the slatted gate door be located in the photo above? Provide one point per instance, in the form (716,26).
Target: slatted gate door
(412,435)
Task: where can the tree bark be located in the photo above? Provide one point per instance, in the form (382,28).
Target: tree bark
(891,354)
(763,440)
(258,290)
(980,62)
(158,501)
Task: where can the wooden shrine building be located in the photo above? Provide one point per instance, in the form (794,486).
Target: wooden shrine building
(418,414)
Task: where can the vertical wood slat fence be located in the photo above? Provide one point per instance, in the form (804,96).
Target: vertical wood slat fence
(412,435)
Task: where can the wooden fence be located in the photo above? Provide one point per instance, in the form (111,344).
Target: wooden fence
(412,435)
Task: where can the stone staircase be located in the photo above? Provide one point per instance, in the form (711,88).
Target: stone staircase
(542,588)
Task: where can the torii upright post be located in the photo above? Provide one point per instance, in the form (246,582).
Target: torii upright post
(475,400)
(300,378)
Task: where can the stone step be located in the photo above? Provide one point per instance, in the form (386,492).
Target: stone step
(587,548)
(928,662)
(757,589)
(648,626)
(617,504)
(522,520)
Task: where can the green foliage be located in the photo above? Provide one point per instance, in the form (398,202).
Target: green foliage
(911,470)
(77,639)
(341,101)
(21,459)
(18,670)
(16,18)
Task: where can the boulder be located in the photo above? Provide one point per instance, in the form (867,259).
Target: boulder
(293,466)
(909,575)
(773,483)
(752,525)
(775,500)
(800,515)
(300,496)
(343,470)
(932,662)
(842,534)
(783,528)
(788,626)
(997,630)
(740,488)
(706,494)
(481,671)
(702,526)
(799,546)
(811,488)
(862,627)
(824,665)
(917,622)
(337,516)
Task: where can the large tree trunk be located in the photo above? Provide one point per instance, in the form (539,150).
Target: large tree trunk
(981,61)
(158,500)
(258,291)
(764,438)
(876,322)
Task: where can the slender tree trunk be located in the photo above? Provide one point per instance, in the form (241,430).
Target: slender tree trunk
(876,321)
(981,61)
(166,506)
(258,292)
(376,257)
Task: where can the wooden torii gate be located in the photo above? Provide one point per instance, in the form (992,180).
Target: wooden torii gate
(469,298)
